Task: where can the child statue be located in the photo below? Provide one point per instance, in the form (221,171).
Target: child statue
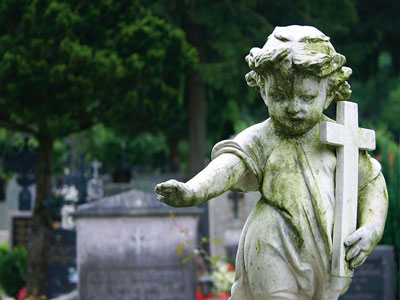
(285,250)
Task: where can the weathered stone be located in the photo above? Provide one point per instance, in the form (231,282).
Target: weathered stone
(286,246)
(227,226)
(127,249)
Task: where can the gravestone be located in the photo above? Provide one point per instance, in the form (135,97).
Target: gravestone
(12,191)
(374,280)
(61,266)
(228,225)
(19,224)
(95,189)
(127,249)
(61,263)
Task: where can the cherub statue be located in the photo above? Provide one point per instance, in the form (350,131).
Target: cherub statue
(285,250)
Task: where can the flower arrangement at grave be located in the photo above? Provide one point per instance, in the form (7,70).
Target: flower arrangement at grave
(23,295)
(223,277)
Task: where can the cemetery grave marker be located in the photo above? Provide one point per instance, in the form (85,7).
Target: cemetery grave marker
(61,263)
(374,280)
(127,247)
(19,224)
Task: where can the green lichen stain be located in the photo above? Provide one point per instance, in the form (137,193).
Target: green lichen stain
(317,48)
(258,247)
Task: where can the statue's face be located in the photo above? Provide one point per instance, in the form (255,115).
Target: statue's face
(295,104)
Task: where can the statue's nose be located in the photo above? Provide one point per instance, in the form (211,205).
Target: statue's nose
(293,107)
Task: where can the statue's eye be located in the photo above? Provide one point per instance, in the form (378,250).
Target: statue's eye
(308,98)
(277,96)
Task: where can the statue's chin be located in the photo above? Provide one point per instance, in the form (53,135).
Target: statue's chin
(293,127)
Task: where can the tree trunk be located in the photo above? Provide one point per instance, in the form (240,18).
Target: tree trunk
(197,123)
(196,100)
(41,229)
(197,110)
(173,155)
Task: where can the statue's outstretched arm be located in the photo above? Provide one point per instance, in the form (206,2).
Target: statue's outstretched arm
(221,174)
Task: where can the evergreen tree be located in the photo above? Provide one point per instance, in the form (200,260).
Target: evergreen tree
(67,65)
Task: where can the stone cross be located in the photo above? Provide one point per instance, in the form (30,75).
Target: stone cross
(137,238)
(235,197)
(96,165)
(349,139)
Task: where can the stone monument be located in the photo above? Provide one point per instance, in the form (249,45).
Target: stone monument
(323,199)
(127,249)
(95,189)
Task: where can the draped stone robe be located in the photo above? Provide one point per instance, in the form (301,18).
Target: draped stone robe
(286,244)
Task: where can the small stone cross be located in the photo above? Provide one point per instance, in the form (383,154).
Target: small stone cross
(138,239)
(235,197)
(96,165)
(349,138)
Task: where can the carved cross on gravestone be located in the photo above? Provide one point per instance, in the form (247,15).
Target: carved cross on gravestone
(349,139)
(96,165)
(137,239)
(235,197)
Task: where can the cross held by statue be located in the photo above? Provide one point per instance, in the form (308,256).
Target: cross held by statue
(349,139)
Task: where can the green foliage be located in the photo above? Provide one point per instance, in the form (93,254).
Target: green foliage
(13,271)
(389,154)
(391,110)
(3,249)
(145,150)
(67,65)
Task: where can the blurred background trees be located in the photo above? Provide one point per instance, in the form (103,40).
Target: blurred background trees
(153,85)
(67,65)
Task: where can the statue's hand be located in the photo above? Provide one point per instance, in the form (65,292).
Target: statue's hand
(360,244)
(175,193)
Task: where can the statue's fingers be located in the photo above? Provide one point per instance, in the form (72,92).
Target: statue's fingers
(353,252)
(353,238)
(358,260)
(158,188)
(166,192)
(161,199)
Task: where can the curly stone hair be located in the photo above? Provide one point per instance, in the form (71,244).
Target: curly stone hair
(302,49)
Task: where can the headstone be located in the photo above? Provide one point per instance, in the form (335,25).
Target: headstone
(61,267)
(19,224)
(12,191)
(3,216)
(374,280)
(127,249)
(227,226)
(95,189)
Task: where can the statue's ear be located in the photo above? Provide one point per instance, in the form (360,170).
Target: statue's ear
(329,97)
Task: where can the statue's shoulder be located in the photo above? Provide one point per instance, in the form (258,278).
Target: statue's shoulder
(256,133)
